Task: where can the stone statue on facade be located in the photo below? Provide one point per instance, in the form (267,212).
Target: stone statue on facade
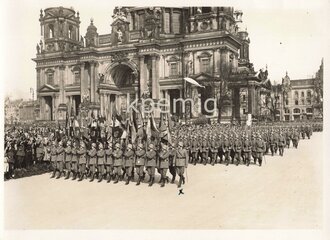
(38,49)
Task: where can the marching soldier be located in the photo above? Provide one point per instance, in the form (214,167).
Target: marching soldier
(281,144)
(68,158)
(295,138)
(238,150)
(129,162)
(140,162)
(163,163)
(82,152)
(60,159)
(117,157)
(260,149)
(109,161)
(74,159)
(53,156)
(151,163)
(288,138)
(214,150)
(226,147)
(101,162)
(92,161)
(205,150)
(247,148)
(272,143)
(194,150)
(20,154)
(181,162)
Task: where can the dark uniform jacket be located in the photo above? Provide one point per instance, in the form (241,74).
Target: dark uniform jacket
(151,158)
(60,154)
(117,156)
(92,156)
(140,157)
(164,159)
(68,154)
(82,155)
(181,158)
(129,158)
(100,157)
(108,157)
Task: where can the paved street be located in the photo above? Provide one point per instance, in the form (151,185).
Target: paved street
(286,192)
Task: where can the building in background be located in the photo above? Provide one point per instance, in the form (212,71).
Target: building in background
(294,99)
(149,51)
(12,110)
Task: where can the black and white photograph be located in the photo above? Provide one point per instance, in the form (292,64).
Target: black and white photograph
(165,120)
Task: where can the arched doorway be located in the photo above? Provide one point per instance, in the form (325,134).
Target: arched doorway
(122,88)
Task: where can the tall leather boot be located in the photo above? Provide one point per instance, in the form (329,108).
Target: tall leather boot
(152,181)
(173,179)
(81,177)
(54,172)
(116,179)
(183,180)
(127,180)
(109,178)
(59,175)
(67,175)
(138,181)
(180,182)
(74,176)
(92,179)
(162,182)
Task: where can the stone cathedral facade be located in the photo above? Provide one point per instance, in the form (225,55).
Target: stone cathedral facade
(148,49)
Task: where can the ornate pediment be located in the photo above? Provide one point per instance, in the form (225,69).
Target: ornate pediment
(47,88)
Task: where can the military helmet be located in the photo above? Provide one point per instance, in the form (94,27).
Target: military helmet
(151,146)
(140,145)
(94,145)
(117,145)
(180,144)
(100,145)
(129,146)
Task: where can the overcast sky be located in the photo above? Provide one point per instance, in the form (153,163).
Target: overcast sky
(285,35)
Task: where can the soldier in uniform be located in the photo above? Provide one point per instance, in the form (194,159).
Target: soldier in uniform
(205,150)
(92,153)
(117,158)
(101,162)
(60,159)
(288,138)
(163,163)
(181,162)
(39,150)
(68,158)
(194,150)
(214,150)
(247,148)
(272,143)
(260,149)
(295,138)
(109,161)
(281,144)
(237,147)
(74,159)
(82,152)
(53,156)
(151,163)
(140,162)
(226,148)
(129,158)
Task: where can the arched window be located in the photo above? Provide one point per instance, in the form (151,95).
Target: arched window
(309,110)
(51,31)
(296,94)
(296,110)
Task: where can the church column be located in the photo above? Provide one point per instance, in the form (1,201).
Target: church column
(155,72)
(163,20)
(143,80)
(83,84)
(92,64)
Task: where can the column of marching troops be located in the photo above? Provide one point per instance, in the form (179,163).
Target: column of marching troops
(116,159)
